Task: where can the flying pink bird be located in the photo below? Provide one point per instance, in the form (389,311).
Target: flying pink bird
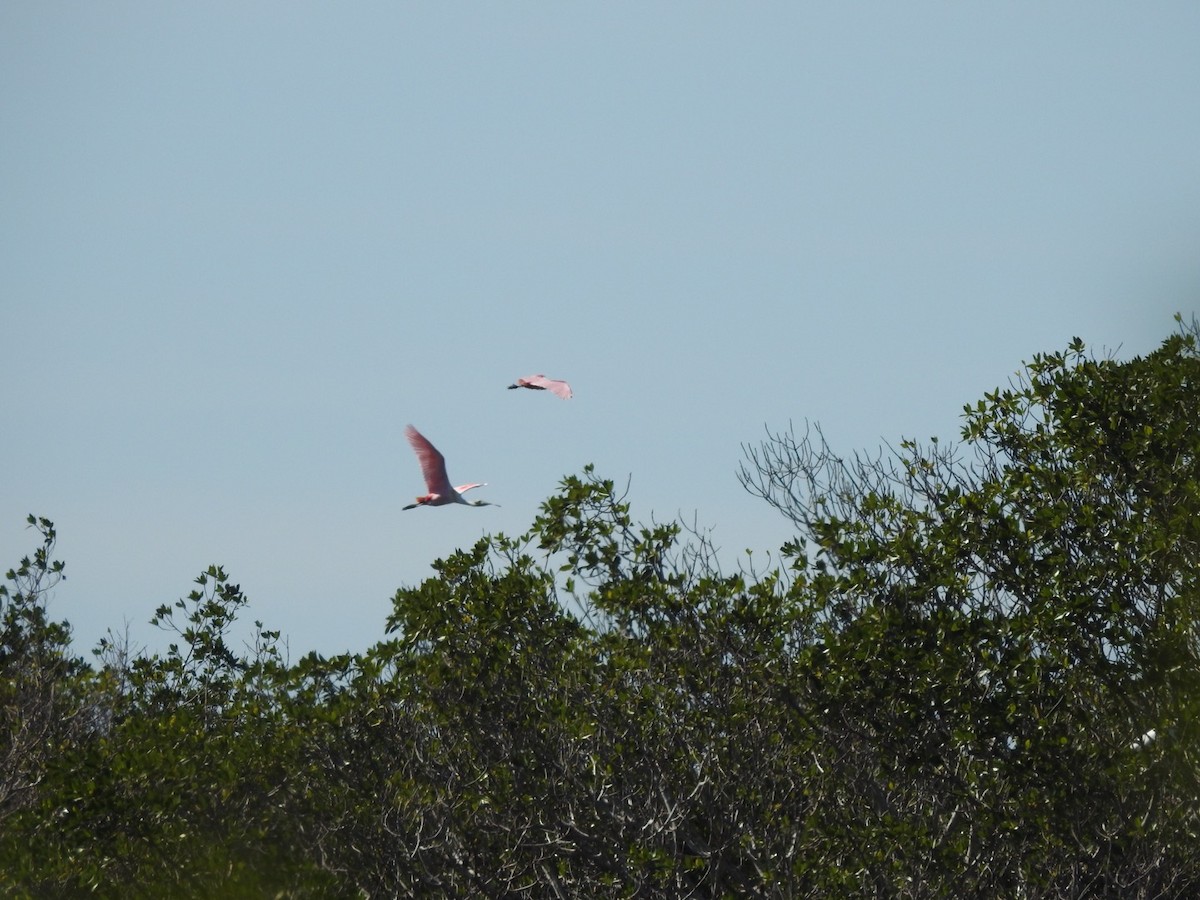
(542,383)
(433,467)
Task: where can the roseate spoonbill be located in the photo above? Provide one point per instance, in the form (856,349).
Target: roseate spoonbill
(542,383)
(433,467)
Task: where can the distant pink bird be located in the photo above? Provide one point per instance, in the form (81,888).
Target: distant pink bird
(542,383)
(433,467)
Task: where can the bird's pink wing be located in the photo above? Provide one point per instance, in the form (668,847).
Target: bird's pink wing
(433,464)
(556,387)
(559,388)
(463,488)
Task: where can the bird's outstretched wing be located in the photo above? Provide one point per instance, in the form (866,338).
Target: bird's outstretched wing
(433,464)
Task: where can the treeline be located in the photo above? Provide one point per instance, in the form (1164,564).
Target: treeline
(974,673)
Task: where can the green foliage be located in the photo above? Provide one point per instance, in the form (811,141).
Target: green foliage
(38,709)
(975,675)
(1009,627)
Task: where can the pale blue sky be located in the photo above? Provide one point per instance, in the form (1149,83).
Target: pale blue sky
(242,244)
